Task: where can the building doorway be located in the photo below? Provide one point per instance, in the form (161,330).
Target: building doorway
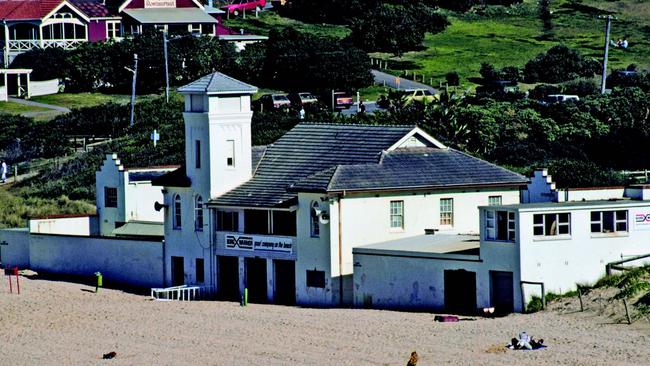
(256,280)
(178,271)
(460,291)
(228,278)
(284,292)
(502,292)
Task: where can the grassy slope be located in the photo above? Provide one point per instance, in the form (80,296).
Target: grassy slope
(16,108)
(79,100)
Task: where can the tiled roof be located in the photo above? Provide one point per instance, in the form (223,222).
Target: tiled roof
(218,83)
(92,8)
(175,178)
(37,9)
(307,150)
(421,167)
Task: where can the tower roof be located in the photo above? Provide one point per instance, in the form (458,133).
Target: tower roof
(218,83)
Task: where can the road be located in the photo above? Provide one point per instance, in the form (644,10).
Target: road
(391,81)
(371,107)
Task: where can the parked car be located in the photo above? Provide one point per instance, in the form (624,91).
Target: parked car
(559,98)
(302,98)
(237,6)
(272,101)
(419,95)
(343,100)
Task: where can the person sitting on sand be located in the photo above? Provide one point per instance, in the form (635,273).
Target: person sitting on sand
(413,360)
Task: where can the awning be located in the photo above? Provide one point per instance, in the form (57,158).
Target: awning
(140,228)
(170,16)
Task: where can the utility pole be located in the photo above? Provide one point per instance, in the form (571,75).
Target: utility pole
(607,29)
(135,77)
(166,67)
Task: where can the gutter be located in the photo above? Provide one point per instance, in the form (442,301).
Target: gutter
(427,188)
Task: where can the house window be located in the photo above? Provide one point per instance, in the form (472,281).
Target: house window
(194,28)
(198,214)
(494,201)
(315,225)
(197,154)
(608,221)
(447,211)
(283,223)
(230,153)
(196,103)
(177,212)
(110,197)
(553,224)
(397,214)
(200,270)
(315,278)
(227,221)
(113,30)
(499,225)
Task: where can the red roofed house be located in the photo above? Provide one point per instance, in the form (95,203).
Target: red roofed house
(28,24)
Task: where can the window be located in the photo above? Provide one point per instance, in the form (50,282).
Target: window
(553,224)
(198,214)
(256,222)
(230,153)
(397,214)
(110,197)
(200,270)
(197,154)
(283,223)
(494,201)
(177,212)
(315,278)
(194,28)
(196,103)
(315,225)
(447,211)
(500,225)
(113,30)
(228,221)
(608,221)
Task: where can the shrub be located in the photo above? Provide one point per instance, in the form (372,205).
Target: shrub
(559,64)
(452,78)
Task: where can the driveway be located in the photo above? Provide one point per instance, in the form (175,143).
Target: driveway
(390,81)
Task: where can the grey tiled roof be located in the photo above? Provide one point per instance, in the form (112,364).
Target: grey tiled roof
(310,149)
(146,176)
(218,83)
(422,167)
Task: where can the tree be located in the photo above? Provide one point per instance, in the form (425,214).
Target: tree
(560,63)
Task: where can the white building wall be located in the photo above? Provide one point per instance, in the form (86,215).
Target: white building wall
(315,253)
(131,262)
(14,248)
(110,174)
(561,263)
(592,194)
(78,226)
(139,199)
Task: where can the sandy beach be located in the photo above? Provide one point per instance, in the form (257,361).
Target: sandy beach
(62,323)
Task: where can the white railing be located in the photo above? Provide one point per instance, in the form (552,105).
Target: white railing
(23,44)
(62,43)
(180,293)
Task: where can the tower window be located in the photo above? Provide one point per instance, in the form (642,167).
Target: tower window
(230,153)
(177,212)
(197,154)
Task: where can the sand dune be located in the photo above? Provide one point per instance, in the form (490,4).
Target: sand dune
(61,323)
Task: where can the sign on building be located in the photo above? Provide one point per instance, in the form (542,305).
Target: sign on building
(642,220)
(159,3)
(259,243)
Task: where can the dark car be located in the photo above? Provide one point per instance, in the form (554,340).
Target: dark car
(343,100)
(272,101)
(302,98)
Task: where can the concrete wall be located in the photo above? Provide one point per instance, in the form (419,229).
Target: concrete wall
(75,226)
(45,87)
(110,174)
(139,199)
(14,247)
(590,194)
(132,262)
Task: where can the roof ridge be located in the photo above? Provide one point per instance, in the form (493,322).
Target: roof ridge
(355,124)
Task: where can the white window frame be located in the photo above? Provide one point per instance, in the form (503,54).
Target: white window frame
(615,222)
(192,28)
(177,212)
(397,215)
(559,224)
(447,212)
(492,225)
(495,200)
(314,227)
(112,27)
(198,213)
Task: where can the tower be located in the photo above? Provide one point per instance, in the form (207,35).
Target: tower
(217,118)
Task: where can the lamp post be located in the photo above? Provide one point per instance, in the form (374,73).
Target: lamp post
(606,53)
(165,41)
(134,71)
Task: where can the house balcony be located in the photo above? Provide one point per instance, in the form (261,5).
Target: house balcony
(255,245)
(24,45)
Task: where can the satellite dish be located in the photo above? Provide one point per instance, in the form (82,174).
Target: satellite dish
(158,206)
(324,218)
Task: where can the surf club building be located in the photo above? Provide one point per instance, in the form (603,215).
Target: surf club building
(29,24)
(282,220)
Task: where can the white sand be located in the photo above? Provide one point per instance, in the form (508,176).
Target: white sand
(59,323)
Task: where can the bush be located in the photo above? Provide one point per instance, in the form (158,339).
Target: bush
(452,78)
(541,91)
(568,173)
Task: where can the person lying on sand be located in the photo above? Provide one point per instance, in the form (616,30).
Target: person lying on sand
(525,342)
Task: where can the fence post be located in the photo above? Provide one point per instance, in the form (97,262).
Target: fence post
(580,298)
(627,312)
(15,173)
